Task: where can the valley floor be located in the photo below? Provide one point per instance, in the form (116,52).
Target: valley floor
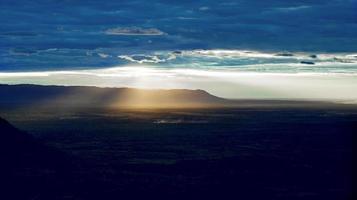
(246,153)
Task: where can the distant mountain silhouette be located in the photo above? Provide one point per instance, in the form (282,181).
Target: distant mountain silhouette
(82,96)
(37,96)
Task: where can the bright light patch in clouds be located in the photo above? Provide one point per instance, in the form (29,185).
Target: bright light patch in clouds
(134,31)
(293,8)
(204,8)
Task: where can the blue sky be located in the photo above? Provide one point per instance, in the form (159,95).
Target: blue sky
(76,26)
(155,44)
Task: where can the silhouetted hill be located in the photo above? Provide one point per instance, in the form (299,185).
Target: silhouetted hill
(37,96)
(20,148)
(82,96)
(29,166)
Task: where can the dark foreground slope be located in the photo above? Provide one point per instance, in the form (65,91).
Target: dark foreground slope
(29,168)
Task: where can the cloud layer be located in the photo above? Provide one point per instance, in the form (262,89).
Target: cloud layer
(134,31)
(135,27)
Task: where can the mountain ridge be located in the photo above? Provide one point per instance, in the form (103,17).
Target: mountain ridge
(54,96)
(81,96)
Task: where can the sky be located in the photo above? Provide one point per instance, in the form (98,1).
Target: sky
(72,28)
(308,45)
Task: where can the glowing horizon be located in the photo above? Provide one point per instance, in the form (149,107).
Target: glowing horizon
(222,83)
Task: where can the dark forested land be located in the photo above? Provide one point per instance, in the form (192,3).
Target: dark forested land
(249,152)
